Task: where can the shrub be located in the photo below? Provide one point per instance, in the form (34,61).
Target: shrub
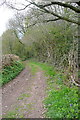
(10,72)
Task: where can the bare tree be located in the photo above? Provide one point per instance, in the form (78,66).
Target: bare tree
(48,7)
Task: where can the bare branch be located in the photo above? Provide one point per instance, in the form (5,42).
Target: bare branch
(51,20)
(18,38)
(78,3)
(42,7)
(17,8)
(62,4)
(60,17)
(3,3)
(75,81)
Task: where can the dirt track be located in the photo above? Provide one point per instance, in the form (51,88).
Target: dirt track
(24,95)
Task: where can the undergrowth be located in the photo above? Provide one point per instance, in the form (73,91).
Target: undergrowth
(61,100)
(10,72)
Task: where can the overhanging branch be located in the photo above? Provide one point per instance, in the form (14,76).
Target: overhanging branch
(52,13)
(64,5)
(42,7)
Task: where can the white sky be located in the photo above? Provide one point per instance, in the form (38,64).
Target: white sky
(5,15)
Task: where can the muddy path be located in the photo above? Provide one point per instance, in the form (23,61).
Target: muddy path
(23,96)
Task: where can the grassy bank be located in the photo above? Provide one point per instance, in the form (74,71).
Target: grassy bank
(61,100)
(10,72)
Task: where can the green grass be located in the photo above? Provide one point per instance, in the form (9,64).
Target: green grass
(13,114)
(34,67)
(10,72)
(61,100)
(19,111)
(22,96)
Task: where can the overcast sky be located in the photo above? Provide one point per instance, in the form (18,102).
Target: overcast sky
(5,15)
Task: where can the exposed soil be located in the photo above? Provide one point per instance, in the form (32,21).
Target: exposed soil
(25,95)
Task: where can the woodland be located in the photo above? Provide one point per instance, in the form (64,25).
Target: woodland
(46,34)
